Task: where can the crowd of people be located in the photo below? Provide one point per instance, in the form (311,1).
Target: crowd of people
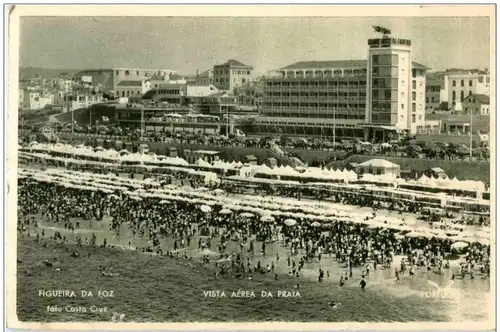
(237,244)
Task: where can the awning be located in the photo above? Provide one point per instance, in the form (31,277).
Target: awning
(378,127)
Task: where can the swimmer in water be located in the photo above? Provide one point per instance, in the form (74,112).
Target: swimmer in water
(334,305)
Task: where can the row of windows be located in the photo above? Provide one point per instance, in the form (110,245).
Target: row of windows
(137,73)
(462,82)
(223,80)
(378,71)
(462,96)
(315,94)
(340,83)
(233,72)
(350,116)
(326,73)
(316,105)
(128,93)
(433,88)
(169,92)
(308,124)
(391,83)
(385,59)
(386,118)
(381,118)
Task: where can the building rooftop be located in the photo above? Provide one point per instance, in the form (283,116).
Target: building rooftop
(378,163)
(208,152)
(130,83)
(483,99)
(432,81)
(167,85)
(221,94)
(437,170)
(327,64)
(206,73)
(234,63)
(338,64)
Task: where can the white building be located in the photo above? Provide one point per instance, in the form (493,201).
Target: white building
(132,88)
(456,85)
(68,85)
(39,101)
(395,86)
(477,104)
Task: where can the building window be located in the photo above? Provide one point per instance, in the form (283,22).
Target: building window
(432,99)
(427,99)
(461,82)
(117,72)
(414,84)
(413,118)
(414,73)
(402,106)
(461,95)
(413,96)
(137,73)
(413,107)
(454,83)
(127,73)
(470,82)
(453,95)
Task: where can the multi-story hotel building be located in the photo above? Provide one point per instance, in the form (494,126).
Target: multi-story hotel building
(370,99)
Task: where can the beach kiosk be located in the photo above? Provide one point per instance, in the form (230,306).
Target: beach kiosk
(378,167)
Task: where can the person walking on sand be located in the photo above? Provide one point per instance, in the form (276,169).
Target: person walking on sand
(362,284)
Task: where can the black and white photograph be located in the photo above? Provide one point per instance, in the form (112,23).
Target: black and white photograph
(251,164)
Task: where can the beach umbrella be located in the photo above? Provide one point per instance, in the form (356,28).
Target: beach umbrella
(225,211)
(113,196)
(218,191)
(164,201)
(205,208)
(290,222)
(315,224)
(246,215)
(459,245)
(267,218)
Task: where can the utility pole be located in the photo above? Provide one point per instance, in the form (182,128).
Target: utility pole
(470,132)
(227,125)
(90,114)
(142,122)
(73,119)
(334,126)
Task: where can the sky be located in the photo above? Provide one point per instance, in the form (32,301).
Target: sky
(188,44)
